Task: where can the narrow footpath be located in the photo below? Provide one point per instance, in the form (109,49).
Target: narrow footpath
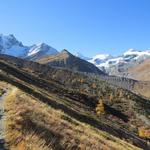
(2,98)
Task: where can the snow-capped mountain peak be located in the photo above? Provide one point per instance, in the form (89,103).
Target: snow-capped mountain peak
(111,64)
(41,48)
(100,58)
(136,52)
(132,54)
(11,46)
(9,40)
(8,43)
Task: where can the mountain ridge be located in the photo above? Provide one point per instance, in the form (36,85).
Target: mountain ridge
(65,59)
(118,66)
(11,46)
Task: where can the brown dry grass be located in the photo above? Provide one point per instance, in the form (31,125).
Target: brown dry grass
(142,88)
(33,125)
(61,56)
(15,136)
(141,71)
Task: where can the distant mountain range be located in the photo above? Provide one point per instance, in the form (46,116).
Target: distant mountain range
(11,46)
(120,65)
(44,53)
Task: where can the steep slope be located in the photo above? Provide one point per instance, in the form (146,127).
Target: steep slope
(46,128)
(66,60)
(65,76)
(77,96)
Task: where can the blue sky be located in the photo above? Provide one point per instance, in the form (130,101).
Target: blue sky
(86,26)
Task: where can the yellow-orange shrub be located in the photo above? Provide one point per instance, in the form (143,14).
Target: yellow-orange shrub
(100,108)
(143,133)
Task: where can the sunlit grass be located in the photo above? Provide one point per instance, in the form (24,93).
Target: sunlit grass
(33,125)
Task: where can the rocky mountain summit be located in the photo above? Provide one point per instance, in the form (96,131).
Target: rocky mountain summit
(11,46)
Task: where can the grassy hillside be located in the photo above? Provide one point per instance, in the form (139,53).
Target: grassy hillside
(141,71)
(34,125)
(78,96)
